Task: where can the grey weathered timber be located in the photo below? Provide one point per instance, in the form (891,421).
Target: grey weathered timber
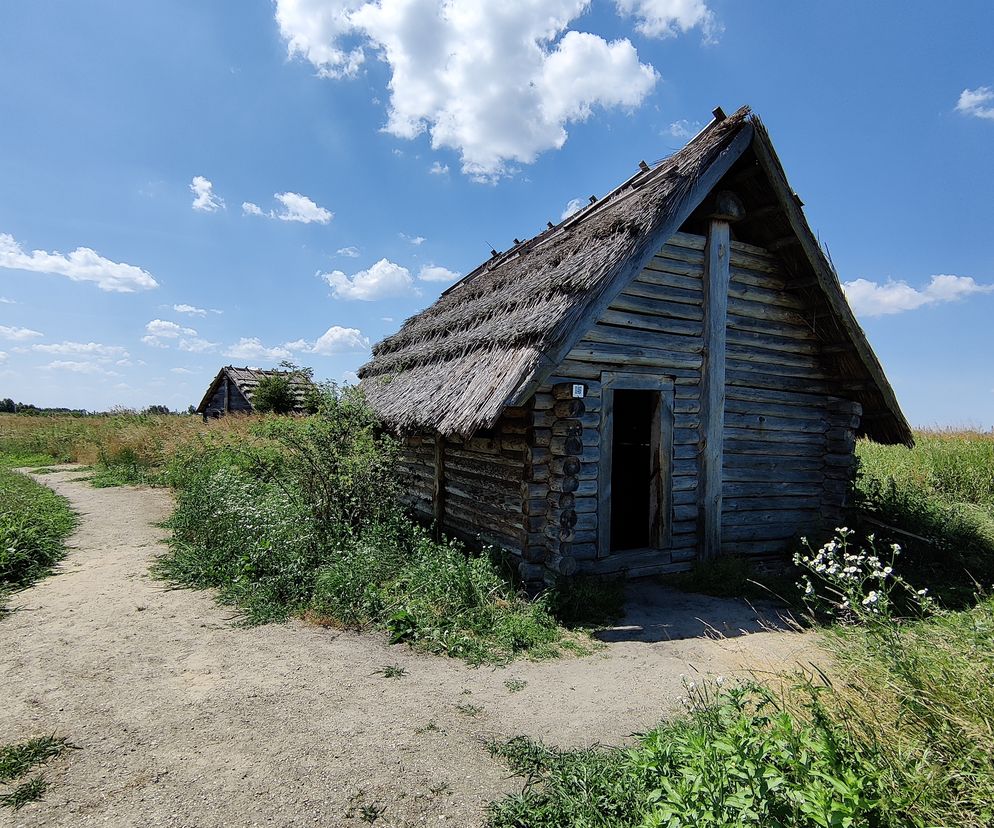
(716,277)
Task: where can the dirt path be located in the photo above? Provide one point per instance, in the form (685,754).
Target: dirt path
(185,720)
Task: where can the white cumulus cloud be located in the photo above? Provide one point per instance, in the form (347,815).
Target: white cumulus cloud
(380,281)
(249,349)
(684,129)
(438,168)
(81,265)
(977,102)
(668,18)
(574,205)
(193,310)
(93,349)
(297,207)
(437,273)
(339,340)
(195,345)
(350,252)
(160,332)
(313,28)
(496,80)
(879,299)
(18,334)
(204,197)
(79,367)
(417,241)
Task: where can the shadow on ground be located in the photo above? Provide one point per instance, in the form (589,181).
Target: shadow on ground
(655,612)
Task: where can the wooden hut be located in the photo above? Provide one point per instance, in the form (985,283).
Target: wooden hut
(671,374)
(233,388)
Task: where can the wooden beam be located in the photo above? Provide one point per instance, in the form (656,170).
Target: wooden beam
(779,244)
(717,274)
(438,490)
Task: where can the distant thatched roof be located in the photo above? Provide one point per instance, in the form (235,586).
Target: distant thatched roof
(492,337)
(247,380)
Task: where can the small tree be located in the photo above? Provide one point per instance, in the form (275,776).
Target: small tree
(274,393)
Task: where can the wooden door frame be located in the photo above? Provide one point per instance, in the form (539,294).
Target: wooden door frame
(661,494)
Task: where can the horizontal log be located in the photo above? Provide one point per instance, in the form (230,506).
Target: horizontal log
(739,517)
(594,368)
(565,465)
(766,448)
(569,409)
(776,397)
(637,303)
(623,355)
(672,274)
(652,322)
(753,475)
(623,336)
(796,329)
(771,488)
(775,370)
(555,533)
(580,488)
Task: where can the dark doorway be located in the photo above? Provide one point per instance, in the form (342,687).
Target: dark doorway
(632,469)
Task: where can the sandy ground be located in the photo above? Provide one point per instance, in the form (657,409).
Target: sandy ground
(183,719)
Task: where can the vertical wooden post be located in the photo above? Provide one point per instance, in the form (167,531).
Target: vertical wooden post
(438,491)
(227,394)
(716,282)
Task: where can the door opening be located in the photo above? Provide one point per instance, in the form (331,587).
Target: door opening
(632,467)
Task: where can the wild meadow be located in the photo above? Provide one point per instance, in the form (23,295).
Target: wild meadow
(291,516)
(297,517)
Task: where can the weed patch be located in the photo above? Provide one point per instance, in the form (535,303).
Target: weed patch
(18,759)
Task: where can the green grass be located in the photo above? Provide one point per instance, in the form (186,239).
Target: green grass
(941,496)
(18,759)
(34,522)
(738,759)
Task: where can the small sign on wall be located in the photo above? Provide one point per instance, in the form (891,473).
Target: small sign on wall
(579,391)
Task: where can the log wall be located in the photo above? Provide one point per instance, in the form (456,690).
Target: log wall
(531,485)
(788,441)
(482,484)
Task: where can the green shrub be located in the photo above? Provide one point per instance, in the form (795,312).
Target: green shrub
(737,759)
(274,394)
(303,518)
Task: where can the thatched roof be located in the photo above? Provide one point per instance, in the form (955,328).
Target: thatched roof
(494,336)
(246,380)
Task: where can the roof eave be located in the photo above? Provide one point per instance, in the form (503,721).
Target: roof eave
(829,282)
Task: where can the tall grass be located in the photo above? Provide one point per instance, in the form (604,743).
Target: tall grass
(940,495)
(901,734)
(34,521)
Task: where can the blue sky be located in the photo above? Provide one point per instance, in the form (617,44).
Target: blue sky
(191,184)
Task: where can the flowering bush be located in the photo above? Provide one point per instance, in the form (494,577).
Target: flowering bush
(856,584)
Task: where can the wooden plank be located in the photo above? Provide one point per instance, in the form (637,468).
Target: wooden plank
(716,277)
(651,322)
(614,335)
(656,307)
